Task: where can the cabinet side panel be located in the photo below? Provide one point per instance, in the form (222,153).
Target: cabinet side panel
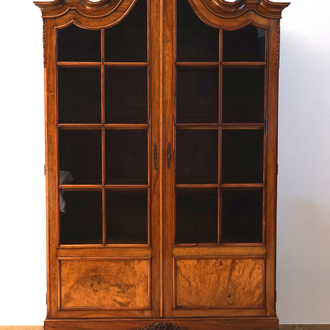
(107,283)
(219,282)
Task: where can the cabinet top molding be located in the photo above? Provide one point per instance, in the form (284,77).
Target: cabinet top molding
(264,8)
(221,8)
(84,7)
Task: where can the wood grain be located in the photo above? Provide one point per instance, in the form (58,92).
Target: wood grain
(224,323)
(219,282)
(106,283)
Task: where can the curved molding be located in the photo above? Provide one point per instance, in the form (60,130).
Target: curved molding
(264,8)
(84,7)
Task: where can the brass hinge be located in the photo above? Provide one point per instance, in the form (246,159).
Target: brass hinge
(44,169)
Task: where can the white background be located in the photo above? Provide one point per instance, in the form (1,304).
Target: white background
(303,271)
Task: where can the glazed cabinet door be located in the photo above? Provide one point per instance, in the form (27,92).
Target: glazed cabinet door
(218,237)
(103,162)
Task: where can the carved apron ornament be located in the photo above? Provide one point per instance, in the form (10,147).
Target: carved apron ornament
(163,326)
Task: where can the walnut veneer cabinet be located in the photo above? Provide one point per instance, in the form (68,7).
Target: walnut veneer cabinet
(161,163)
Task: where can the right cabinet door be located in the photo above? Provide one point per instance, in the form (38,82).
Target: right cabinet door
(216,103)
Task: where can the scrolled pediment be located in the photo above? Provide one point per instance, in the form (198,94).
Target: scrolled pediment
(84,7)
(225,9)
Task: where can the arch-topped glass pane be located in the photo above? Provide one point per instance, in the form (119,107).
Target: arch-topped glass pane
(79,45)
(247,44)
(127,41)
(196,41)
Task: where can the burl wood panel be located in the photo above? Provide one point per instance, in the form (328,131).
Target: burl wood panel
(219,282)
(104,283)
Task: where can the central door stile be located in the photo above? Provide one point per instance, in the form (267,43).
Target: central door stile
(154,38)
(168,165)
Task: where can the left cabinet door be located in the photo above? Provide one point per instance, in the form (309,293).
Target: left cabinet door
(102,129)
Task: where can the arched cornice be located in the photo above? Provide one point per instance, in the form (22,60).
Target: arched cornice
(238,8)
(86,8)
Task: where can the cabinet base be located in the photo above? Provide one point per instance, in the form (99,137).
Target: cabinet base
(230,323)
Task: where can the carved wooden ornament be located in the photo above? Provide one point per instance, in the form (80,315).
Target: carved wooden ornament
(163,326)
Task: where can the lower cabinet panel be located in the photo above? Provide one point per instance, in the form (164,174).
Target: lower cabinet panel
(108,283)
(219,282)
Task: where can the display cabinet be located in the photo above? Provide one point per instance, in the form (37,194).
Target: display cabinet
(161,163)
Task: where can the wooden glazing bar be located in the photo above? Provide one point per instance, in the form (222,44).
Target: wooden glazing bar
(242,185)
(126,126)
(126,64)
(80,187)
(220,135)
(79,64)
(235,126)
(196,186)
(197,126)
(244,64)
(126,186)
(104,200)
(80,126)
(198,64)
(243,244)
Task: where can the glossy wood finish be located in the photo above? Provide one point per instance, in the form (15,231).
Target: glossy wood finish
(179,284)
(223,323)
(202,283)
(102,284)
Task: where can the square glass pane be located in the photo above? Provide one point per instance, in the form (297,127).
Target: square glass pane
(80,156)
(126,96)
(196,156)
(197,95)
(81,217)
(241,220)
(79,45)
(127,156)
(196,41)
(243,95)
(242,156)
(196,216)
(127,41)
(127,217)
(79,99)
(247,44)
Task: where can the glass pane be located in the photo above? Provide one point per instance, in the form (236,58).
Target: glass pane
(243,95)
(127,217)
(127,156)
(127,41)
(80,159)
(79,99)
(197,95)
(247,44)
(196,216)
(81,217)
(196,41)
(241,216)
(126,96)
(242,156)
(197,156)
(79,45)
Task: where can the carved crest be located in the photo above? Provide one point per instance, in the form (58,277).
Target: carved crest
(163,326)
(227,9)
(84,7)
